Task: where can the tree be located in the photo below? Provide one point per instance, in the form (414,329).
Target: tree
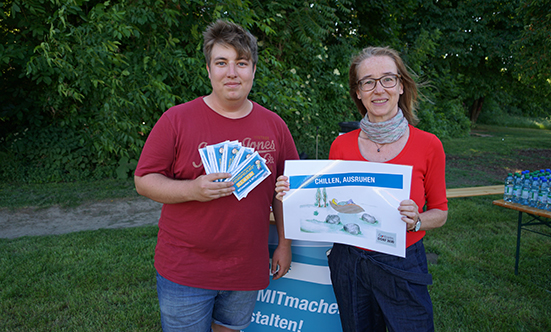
(534,45)
(532,49)
(408,27)
(97,76)
(475,45)
(84,81)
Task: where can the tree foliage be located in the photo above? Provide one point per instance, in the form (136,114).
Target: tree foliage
(534,45)
(476,53)
(84,81)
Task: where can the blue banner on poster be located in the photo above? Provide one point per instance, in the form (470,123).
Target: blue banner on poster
(303,300)
(394,181)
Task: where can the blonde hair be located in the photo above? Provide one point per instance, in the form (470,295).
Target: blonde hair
(407,101)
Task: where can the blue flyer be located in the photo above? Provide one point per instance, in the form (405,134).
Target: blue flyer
(249,175)
(247,167)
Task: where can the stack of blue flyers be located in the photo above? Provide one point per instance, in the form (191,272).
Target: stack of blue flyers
(245,165)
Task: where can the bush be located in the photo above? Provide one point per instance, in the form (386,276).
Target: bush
(86,80)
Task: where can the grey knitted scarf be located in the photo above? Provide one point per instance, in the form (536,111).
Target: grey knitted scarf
(385,132)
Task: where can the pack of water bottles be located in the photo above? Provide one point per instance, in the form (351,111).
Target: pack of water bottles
(529,188)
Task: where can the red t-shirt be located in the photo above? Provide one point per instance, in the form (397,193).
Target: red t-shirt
(221,244)
(424,152)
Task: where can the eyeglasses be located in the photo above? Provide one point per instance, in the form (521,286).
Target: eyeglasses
(387,81)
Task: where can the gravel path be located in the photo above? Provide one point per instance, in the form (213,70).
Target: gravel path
(88,216)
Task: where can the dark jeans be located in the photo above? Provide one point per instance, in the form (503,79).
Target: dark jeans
(377,291)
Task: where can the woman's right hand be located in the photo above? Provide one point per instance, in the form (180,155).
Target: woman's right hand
(282,185)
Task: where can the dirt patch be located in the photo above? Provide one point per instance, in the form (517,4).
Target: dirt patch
(491,168)
(118,213)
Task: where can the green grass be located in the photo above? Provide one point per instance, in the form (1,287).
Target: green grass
(483,158)
(475,288)
(105,280)
(489,153)
(87,281)
(499,140)
(13,195)
(506,120)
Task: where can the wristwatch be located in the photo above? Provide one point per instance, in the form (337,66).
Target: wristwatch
(417,225)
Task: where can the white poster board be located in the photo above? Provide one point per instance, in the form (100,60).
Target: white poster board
(349,202)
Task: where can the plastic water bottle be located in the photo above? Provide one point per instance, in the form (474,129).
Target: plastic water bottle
(525,192)
(517,188)
(534,191)
(508,191)
(548,203)
(543,194)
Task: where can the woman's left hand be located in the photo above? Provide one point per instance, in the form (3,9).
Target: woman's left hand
(410,213)
(282,186)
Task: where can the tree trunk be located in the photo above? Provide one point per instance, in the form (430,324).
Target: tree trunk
(476,108)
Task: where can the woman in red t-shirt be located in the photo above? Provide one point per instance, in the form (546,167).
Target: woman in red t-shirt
(377,291)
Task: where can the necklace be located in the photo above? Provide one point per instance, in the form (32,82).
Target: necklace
(378,146)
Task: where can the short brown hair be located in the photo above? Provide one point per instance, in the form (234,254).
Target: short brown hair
(230,34)
(407,101)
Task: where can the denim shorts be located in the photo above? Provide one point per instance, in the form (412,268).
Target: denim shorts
(376,292)
(193,309)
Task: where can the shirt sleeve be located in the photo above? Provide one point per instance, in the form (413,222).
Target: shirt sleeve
(435,181)
(159,150)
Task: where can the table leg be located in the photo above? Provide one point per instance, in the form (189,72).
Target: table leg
(517,256)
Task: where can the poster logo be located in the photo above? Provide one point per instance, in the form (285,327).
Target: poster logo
(386,238)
